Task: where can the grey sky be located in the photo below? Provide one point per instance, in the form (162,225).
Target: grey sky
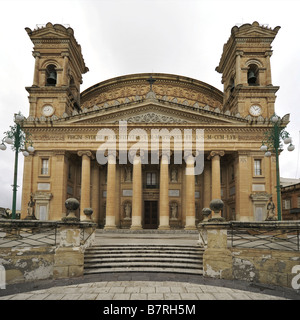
(119,37)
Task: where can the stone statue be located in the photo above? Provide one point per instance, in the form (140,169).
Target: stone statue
(127,174)
(174,210)
(31,209)
(127,210)
(174,175)
(271,210)
(31,206)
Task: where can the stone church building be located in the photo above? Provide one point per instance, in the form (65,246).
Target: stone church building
(64,124)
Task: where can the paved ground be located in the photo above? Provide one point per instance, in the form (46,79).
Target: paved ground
(145,286)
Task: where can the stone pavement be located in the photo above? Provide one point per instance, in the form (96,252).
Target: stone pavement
(145,286)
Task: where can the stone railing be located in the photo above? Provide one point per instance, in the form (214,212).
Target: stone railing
(263,252)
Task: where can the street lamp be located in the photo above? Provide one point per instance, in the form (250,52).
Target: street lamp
(20,142)
(273,143)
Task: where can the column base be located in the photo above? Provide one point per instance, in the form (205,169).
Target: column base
(136,223)
(164,228)
(110,223)
(164,223)
(110,227)
(136,228)
(190,223)
(190,228)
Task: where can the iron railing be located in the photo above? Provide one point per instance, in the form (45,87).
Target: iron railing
(274,235)
(33,233)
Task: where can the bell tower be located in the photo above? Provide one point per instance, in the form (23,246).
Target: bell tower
(246,71)
(58,70)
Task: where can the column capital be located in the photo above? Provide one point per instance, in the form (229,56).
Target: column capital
(86,153)
(216,153)
(239,53)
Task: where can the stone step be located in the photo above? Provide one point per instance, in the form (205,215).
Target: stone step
(152,246)
(143,251)
(143,248)
(144,264)
(89,257)
(144,269)
(143,258)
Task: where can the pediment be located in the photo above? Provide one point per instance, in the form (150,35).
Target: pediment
(254,30)
(153,112)
(56,31)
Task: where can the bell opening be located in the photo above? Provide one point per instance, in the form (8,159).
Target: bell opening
(51,78)
(252,75)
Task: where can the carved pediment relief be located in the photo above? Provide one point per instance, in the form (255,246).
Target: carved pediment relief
(152,117)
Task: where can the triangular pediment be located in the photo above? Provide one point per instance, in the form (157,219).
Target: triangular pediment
(56,31)
(254,31)
(153,111)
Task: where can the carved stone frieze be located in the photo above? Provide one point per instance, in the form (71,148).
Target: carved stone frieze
(152,117)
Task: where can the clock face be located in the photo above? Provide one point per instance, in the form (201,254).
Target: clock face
(48,110)
(255,110)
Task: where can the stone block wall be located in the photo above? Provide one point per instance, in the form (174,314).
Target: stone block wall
(27,264)
(272,267)
(264,266)
(22,264)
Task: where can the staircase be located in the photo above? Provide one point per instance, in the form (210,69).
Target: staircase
(143,258)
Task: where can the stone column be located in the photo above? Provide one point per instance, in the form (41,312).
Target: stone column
(95,180)
(36,68)
(207,185)
(110,221)
(190,194)
(164,193)
(216,173)
(137,194)
(85,198)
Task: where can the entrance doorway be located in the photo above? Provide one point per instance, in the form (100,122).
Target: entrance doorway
(150,215)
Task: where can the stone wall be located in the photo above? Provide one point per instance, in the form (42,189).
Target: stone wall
(30,263)
(27,264)
(272,267)
(264,266)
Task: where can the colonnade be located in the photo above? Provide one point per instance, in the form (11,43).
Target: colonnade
(212,189)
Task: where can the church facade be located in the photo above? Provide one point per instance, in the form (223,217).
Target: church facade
(98,145)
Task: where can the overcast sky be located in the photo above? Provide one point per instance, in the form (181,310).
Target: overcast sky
(119,37)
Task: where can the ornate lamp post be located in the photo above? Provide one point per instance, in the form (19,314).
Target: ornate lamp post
(273,143)
(20,141)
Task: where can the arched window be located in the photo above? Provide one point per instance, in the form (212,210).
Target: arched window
(51,75)
(253,75)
